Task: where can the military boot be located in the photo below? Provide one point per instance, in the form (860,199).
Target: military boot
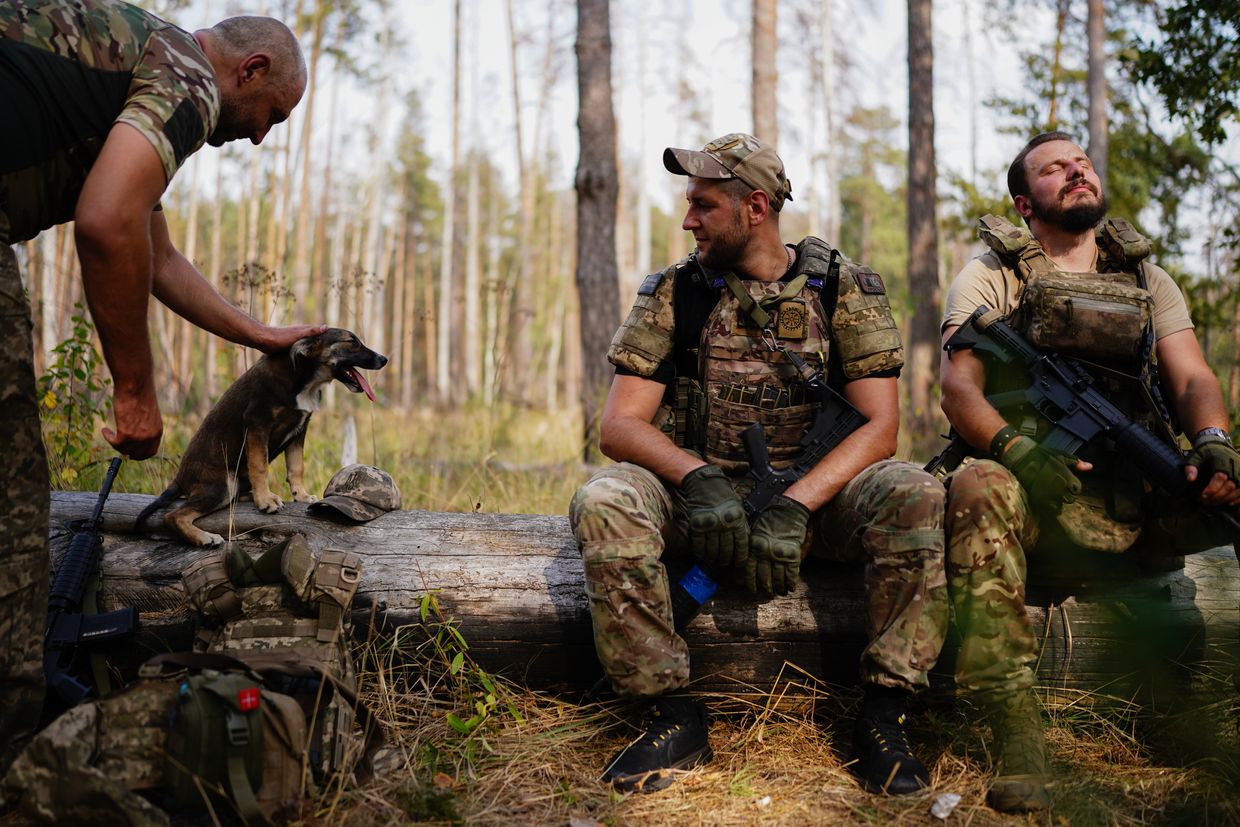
(884,761)
(675,739)
(1021,776)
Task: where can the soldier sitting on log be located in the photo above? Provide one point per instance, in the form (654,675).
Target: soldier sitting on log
(1072,285)
(710,347)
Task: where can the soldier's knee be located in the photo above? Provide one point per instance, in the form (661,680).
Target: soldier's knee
(983,484)
(606,508)
(913,500)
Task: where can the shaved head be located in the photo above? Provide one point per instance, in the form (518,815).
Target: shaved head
(240,37)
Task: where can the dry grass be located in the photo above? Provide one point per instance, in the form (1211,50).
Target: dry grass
(780,759)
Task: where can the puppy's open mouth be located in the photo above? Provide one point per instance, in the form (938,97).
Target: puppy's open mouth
(353,379)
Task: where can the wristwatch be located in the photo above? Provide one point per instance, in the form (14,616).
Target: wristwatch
(1211,435)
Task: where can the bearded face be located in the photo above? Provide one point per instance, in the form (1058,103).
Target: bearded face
(727,243)
(1077,207)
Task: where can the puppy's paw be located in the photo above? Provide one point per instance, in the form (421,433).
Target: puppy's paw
(210,540)
(269,502)
(301,495)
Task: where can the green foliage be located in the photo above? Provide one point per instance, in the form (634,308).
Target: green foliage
(1194,64)
(872,198)
(73,399)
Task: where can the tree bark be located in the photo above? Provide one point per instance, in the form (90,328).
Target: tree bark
(765,74)
(923,267)
(597,275)
(1098,88)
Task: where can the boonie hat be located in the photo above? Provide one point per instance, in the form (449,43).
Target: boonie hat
(736,155)
(360,493)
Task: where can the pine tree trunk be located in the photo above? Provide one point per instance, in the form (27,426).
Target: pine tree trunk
(596,209)
(765,124)
(923,344)
(1098,89)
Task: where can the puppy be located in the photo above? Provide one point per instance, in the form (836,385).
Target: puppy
(262,415)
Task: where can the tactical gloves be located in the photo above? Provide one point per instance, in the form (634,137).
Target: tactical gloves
(1213,455)
(718,530)
(1046,477)
(775,547)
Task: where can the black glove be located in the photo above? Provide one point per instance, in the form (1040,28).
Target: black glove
(775,547)
(1213,455)
(718,531)
(1046,477)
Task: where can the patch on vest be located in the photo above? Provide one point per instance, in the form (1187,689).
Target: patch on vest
(650,284)
(870,282)
(792,320)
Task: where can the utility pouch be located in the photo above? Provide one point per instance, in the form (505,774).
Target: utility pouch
(215,743)
(1095,319)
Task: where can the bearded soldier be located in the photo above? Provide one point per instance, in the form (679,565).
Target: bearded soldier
(101,102)
(1079,286)
(710,347)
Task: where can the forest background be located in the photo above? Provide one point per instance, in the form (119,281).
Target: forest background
(456,179)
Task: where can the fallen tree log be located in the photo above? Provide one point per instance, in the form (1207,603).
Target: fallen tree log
(513,582)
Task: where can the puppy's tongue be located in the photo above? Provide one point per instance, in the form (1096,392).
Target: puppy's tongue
(361,380)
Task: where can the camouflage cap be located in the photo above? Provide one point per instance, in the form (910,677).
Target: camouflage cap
(360,493)
(736,155)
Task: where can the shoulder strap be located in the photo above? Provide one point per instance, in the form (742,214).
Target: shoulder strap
(1016,247)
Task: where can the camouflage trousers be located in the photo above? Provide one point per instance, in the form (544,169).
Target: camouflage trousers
(890,517)
(24,503)
(990,529)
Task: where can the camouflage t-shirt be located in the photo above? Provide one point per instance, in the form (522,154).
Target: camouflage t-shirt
(69,70)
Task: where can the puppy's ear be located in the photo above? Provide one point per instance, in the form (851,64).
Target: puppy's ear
(301,350)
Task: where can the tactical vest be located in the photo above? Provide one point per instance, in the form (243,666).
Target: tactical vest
(1105,319)
(289,601)
(745,377)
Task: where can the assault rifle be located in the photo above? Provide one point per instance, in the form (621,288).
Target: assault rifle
(1063,393)
(834,419)
(69,632)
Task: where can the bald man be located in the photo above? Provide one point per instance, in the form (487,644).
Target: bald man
(102,104)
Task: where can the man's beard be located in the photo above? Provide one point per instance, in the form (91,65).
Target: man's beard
(1076,219)
(726,246)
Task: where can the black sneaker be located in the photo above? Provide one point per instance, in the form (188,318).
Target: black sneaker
(885,764)
(675,740)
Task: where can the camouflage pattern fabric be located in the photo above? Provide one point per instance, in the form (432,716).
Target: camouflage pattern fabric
(736,155)
(360,493)
(84,767)
(622,519)
(989,525)
(863,331)
(991,533)
(131,67)
(889,516)
(24,505)
(745,381)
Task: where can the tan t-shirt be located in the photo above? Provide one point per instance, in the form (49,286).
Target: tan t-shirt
(984,281)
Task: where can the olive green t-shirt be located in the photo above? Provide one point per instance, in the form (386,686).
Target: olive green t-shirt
(985,281)
(69,71)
